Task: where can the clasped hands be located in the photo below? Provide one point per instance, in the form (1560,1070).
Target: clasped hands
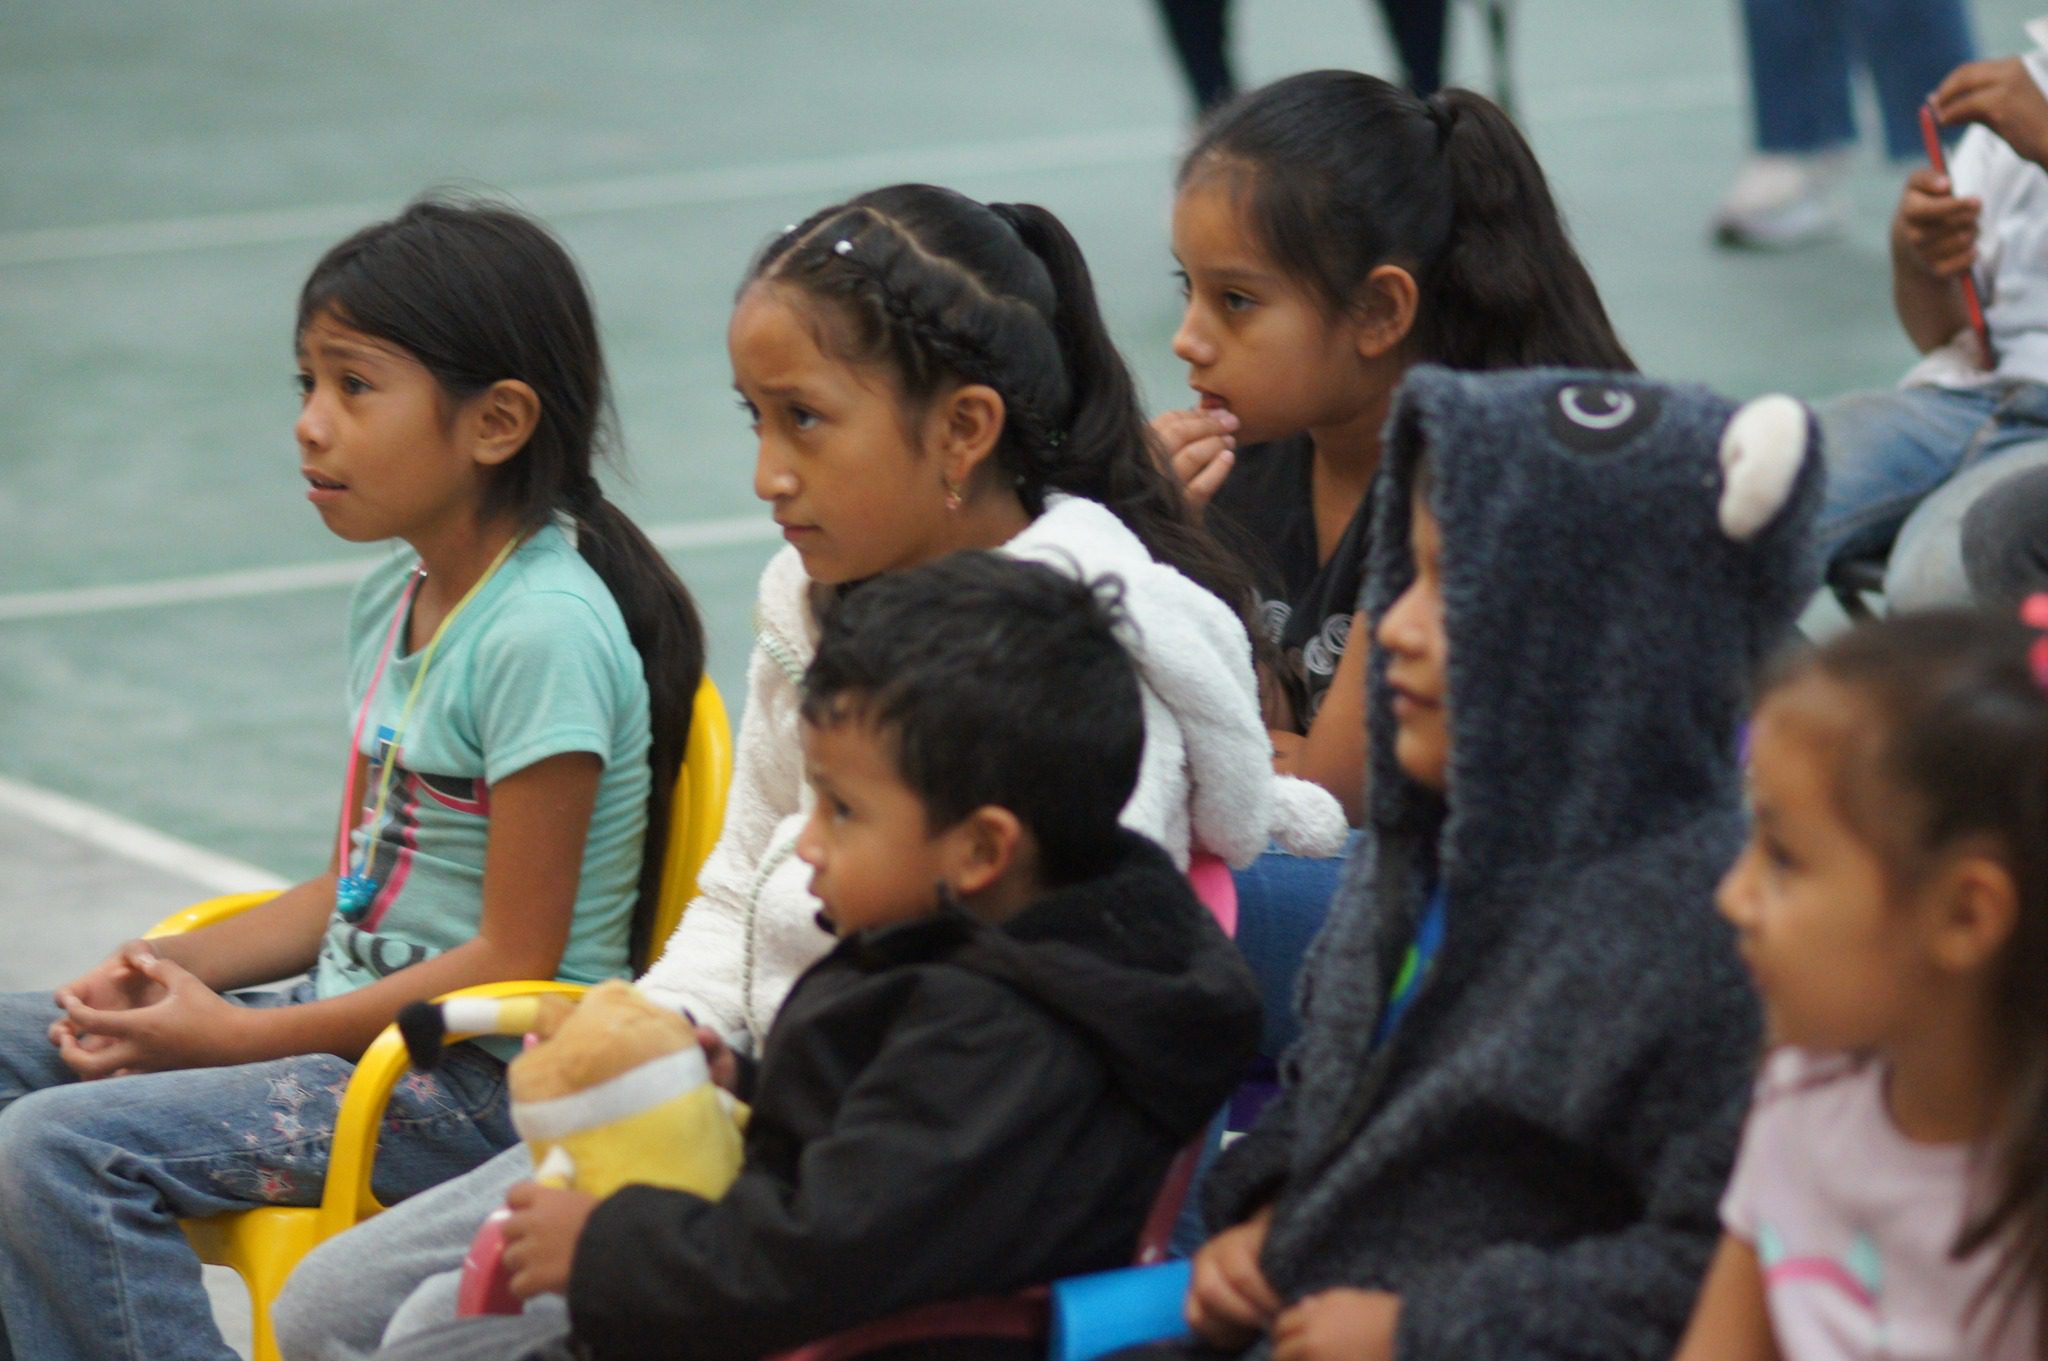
(1230,1303)
(137,1012)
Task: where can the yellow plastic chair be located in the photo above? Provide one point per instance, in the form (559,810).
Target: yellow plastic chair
(263,1245)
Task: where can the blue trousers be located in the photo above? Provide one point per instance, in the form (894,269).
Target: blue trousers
(94,1177)
(1801,53)
(1910,468)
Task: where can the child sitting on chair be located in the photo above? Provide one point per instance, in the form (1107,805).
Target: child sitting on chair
(980,1087)
(1527,1037)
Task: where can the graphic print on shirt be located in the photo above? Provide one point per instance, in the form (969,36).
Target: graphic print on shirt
(1315,661)
(392,845)
(1849,1292)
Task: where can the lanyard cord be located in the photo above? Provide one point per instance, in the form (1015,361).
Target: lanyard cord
(398,618)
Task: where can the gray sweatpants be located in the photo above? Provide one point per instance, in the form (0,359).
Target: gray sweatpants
(396,1274)
(524,1337)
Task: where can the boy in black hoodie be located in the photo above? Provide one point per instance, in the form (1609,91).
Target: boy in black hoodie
(1527,1036)
(981,1086)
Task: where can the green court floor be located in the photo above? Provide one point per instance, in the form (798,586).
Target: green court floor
(167,175)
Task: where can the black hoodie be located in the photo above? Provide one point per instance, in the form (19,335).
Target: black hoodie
(1532,1161)
(943,1109)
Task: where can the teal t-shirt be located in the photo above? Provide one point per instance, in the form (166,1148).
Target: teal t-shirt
(537,665)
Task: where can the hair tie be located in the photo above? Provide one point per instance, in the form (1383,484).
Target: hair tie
(1440,113)
(2034,614)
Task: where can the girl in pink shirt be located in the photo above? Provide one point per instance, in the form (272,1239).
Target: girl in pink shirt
(1891,1196)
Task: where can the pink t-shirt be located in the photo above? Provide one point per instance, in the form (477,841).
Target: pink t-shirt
(1852,1223)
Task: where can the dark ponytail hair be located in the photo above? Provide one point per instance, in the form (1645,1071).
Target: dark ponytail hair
(1340,173)
(941,289)
(479,293)
(1962,731)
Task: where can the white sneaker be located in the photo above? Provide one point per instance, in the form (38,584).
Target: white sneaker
(1781,201)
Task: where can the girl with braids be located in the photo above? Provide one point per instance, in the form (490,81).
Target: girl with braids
(521,676)
(924,374)
(1891,1195)
(1331,231)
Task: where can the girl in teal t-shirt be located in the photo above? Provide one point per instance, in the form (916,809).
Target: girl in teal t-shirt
(520,684)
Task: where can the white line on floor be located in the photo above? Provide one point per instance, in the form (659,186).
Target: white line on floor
(809,175)
(132,841)
(314,576)
(625,193)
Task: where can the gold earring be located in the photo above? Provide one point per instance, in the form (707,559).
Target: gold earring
(953,501)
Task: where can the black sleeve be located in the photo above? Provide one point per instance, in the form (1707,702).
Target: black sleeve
(944,1150)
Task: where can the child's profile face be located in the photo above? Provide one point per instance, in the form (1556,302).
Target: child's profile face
(1418,656)
(1836,957)
(850,489)
(380,455)
(1255,341)
(873,857)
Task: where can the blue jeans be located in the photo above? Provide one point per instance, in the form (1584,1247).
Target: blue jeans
(94,1177)
(1801,53)
(1281,902)
(1906,467)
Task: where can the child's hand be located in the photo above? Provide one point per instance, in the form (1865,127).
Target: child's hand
(2003,97)
(540,1237)
(718,1056)
(1338,1325)
(1200,448)
(1229,1300)
(115,983)
(1939,228)
(188,1025)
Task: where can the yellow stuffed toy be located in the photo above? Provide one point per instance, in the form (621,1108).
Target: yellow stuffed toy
(616,1092)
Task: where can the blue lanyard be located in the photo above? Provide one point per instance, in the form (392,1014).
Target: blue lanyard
(1429,941)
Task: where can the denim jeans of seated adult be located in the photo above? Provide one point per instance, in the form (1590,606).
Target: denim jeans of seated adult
(95,1175)
(1802,53)
(1905,468)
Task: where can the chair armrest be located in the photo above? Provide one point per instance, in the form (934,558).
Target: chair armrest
(346,1199)
(207,913)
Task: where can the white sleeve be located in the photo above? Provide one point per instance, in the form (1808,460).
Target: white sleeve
(702,968)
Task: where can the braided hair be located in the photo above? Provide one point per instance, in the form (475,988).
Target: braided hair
(942,290)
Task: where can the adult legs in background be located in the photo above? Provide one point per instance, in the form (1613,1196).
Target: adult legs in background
(1801,55)
(1417,28)
(393,1274)
(1200,33)
(95,1176)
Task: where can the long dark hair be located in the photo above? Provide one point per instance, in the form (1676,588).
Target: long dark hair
(1962,730)
(479,293)
(939,289)
(1340,173)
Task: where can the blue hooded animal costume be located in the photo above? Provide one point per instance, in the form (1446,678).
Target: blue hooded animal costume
(1532,1158)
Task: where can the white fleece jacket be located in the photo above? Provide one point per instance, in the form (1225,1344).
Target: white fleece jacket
(1206,779)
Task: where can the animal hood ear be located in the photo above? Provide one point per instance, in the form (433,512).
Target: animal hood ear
(1761,452)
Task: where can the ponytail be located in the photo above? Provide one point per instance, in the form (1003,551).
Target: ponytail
(662,621)
(1340,173)
(942,289)
(1109,453)
(477,293)
(1507,290)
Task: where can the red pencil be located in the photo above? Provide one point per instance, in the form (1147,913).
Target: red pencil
(1930,134)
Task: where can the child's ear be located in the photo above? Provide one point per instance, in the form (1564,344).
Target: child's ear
(1978,908)
(966,425)
(986,844)
(502,419)
(1384,313)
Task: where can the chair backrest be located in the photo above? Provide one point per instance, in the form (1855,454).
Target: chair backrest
(697,813)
